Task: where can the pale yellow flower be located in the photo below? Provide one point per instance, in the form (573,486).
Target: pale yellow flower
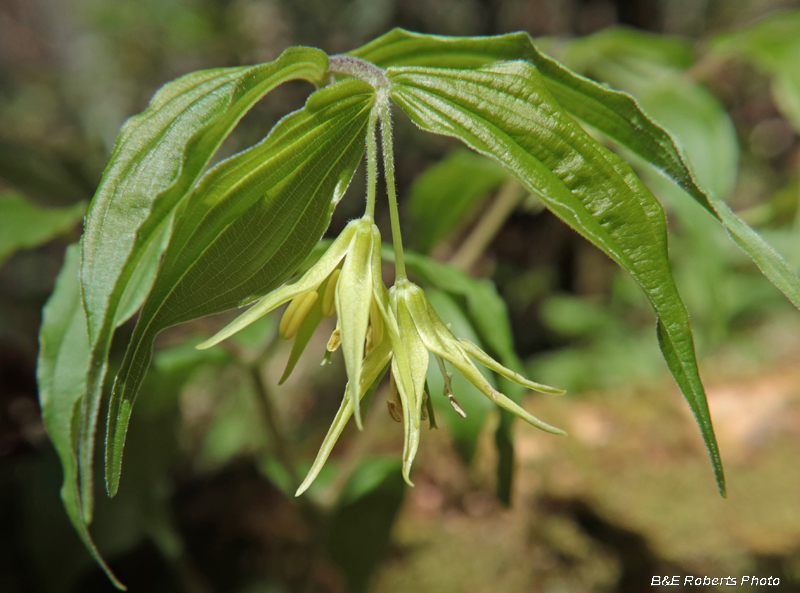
(351,292)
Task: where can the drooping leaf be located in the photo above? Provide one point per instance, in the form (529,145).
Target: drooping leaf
(444,194)
(158,157)
(612,112)
(249,223)
(631,61)
(24,225)
(505,111)
(63,355)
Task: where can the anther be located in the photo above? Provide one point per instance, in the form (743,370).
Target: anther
(376,323)
(393,403)
(368,341)
(456,406)
(335,341)
(329,300)
(296,312)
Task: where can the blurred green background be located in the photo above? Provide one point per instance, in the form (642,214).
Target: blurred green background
(630,494)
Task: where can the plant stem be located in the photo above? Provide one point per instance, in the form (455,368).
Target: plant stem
(372,161)
(388,167)
(480,237)
(358,68)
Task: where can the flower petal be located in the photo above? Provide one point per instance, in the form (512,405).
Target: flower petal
(381,300)
(374,363)
(311,279)
(353,298)
(413,346)
(411,430)
(486,360)
(307,329)
(441,341)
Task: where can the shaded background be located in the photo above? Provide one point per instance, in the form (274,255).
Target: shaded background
(628,495)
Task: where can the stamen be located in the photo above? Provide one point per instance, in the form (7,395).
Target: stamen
(368,341)
(295,313)
(328,300)
(335,341)
(456,406)
(376,323)
(448,388)
(393,403)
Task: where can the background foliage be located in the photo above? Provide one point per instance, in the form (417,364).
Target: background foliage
(205,505)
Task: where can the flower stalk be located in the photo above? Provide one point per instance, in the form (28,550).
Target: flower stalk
(385,110)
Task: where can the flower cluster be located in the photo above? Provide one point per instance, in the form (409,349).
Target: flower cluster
(378,328)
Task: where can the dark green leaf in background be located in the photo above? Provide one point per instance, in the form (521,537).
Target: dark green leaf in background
(465,431)
(39,174)
(24,225)
(361,525)
(774,44)
(249,223)
(447,192)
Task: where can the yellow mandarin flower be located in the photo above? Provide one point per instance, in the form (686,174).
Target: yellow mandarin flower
(414,328)
(349,291)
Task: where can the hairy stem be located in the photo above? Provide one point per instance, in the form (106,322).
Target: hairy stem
(372,162)
(388,167)
(358,68)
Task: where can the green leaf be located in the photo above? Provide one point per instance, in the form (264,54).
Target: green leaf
(629,48)
(697,119)
(24,225)
(506,111)
(251,222)
(63,356)
(447,192)
(614,113)
(158,157)
(360,528)
(774,44)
